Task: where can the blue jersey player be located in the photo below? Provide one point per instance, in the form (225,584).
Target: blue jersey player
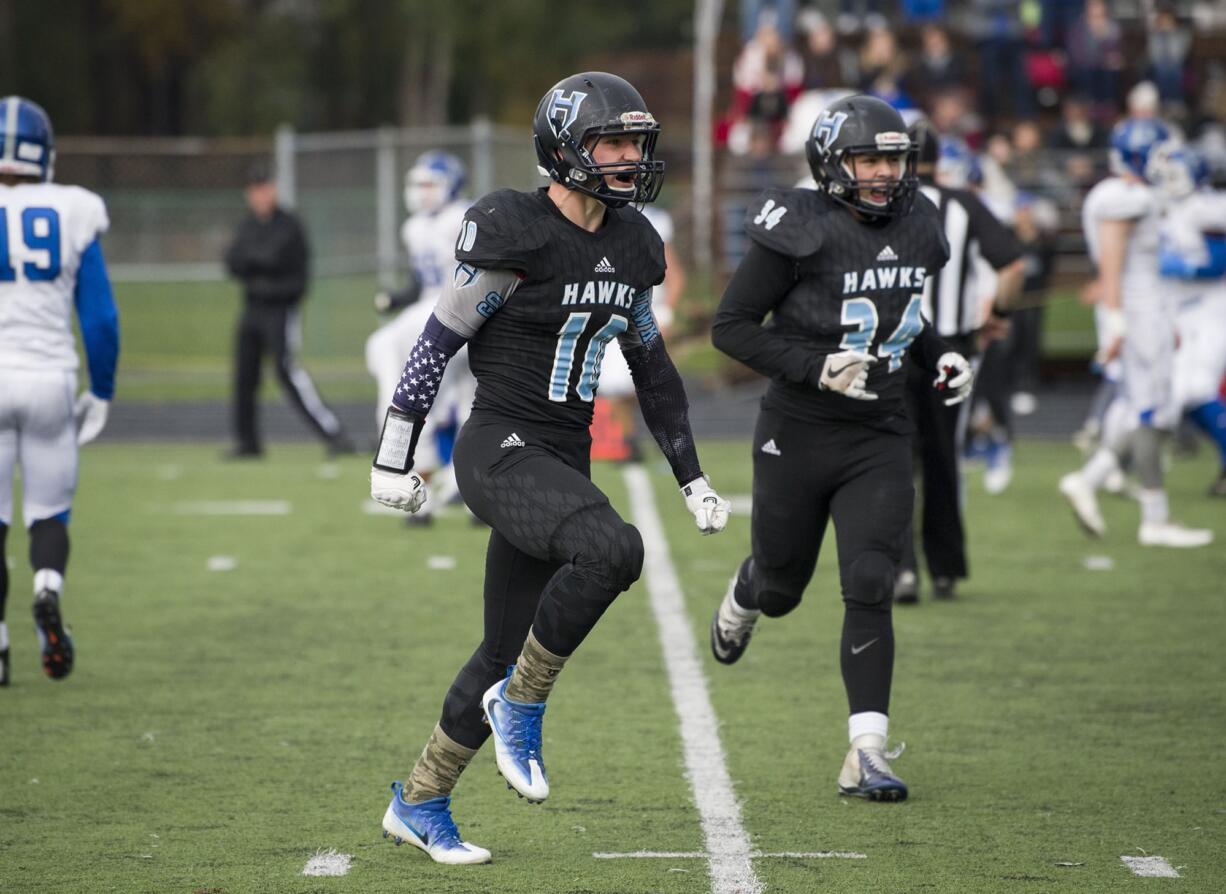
(50,266)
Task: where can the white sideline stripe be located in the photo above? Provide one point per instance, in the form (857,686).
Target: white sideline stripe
(328,862)
(756,855)
(728,852)
(1150,867)
(234,507)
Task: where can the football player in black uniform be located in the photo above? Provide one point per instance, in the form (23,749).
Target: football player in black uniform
(841,270)
(544,281)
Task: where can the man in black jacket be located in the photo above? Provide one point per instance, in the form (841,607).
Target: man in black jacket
(269,256)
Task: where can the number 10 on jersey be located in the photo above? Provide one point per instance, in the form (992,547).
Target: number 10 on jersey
(569,337)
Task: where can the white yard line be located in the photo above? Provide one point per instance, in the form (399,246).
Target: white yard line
(1150,867)
(756,855)
(328,862)
(728,852)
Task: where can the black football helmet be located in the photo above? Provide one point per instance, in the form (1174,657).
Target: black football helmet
(590,105)
(861,125)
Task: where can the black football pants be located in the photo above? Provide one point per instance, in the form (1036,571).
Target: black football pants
(861,479)
(938,436)
(274,330)
(558,553)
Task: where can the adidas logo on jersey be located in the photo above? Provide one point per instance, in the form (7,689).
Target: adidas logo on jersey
(887,254)
(771,448)
(512,440)
(605,267)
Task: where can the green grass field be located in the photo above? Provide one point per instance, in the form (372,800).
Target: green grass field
(177,338)
(222,726)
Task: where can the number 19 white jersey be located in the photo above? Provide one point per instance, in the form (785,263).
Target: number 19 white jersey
(44,230)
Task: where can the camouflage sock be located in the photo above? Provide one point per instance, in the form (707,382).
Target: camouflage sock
(438,769)
(535,672)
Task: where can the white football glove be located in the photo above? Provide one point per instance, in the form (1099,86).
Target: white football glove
(404,492)
(90,413)
(710,510)
(954,378)
(847,373)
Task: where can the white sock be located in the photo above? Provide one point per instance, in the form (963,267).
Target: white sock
(1155,510)
(4,636)
(48,579)
(1099,467)
(867,723)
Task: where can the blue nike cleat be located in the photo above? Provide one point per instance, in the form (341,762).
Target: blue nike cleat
(517,742)
(866,771)
(429,826)
(52,635)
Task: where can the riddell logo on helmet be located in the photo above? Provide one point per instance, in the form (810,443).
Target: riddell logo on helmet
(637,119)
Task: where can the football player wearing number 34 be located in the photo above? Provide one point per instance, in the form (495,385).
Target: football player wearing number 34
(841,270)
(544,281)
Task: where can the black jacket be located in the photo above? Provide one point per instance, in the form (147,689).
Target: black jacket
(270,259)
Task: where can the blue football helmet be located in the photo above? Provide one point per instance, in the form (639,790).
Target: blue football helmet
(1132,140)
(1176,169)
(27,144)
(435,179)
(957,164)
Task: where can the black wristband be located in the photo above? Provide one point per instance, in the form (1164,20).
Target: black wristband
(397,441)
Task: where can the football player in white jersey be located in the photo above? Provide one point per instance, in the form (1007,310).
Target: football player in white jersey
(432,196)
(50,264)
(1192,258)
(1121,218)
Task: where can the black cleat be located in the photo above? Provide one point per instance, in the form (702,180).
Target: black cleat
(4,667)
(943,587)
(54,637)
(731,628)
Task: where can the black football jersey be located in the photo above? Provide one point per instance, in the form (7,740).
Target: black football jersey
(537,356)
(856,286)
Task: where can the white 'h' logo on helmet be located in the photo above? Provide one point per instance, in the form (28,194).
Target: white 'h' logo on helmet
(826,129)
(563,109)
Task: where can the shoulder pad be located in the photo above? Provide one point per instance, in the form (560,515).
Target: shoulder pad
(787,221)
(632,217)
(499,231)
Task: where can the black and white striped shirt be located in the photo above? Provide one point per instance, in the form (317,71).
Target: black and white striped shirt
(951,296)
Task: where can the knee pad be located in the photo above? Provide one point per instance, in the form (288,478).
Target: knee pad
(777,603)
(870,579)
(605,550)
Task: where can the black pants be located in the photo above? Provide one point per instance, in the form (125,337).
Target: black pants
(938,446)
(861,479)
(558,553)
(274,330)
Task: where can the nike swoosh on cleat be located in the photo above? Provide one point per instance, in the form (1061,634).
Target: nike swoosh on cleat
(856,650)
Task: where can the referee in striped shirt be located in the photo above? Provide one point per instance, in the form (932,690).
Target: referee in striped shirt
(952,303)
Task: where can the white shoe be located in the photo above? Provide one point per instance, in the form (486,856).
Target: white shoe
(429,826)
(1085,504)
(866,771)
(1116,483)
(1023,403)
(1174,535)
(731,627)
(999,472)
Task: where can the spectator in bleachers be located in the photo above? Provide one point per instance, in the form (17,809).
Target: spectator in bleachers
(882,65)
(766,77)
(951,115)
(1056,20)
(852,14)
(1168,46)
(1096,57)
(939,67)
(1003,87)
(826,65)
(1080,139)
